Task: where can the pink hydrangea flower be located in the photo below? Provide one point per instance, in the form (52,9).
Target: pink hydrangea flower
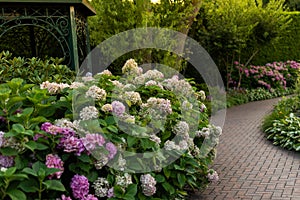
(112,150)
(53,161)
(72,144)
(91,141)
(80,186)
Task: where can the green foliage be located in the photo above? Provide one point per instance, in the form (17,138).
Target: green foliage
(227,28)
(282,110)
(33,70)
(28,140)
(117,16)
(236,97)
(24,106)
(282,125)
(285,132)
(241,96)
(284,48)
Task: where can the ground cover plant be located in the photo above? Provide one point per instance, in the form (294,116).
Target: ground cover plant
(241,96)
(285,132)
(81,140)
(282,125)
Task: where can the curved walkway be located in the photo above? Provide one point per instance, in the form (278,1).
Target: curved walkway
(250,166)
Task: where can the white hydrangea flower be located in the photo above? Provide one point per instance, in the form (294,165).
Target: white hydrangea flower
(96,93)
(213,176)
(181,128)
(1,138)
(155,83)
(129,87)
(88,77)
(155,139)
(183,145)
(179,87)
(89,112)
(148,184)
(117,84)
(139,80)
(170,145)
(186,105)
(196,151)
(101,187)
(205,132)
(153,75)
(209,130)
(131,67)
(76,85)
(202,95)
(3,169)
(53,88)
(133,97)
(121,163)
(101,162)
(106,72)
(64,123)
(124,180)
(163,105)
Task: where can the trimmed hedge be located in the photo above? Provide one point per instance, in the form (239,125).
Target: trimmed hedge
(287,48)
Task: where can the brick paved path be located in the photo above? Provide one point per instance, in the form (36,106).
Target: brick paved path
(249,166)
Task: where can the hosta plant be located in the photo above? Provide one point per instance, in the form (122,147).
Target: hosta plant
(286,132)
(144,135)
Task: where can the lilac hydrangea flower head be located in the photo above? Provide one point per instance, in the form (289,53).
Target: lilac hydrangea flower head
(118,108)
(112,150)
(6,161)
(51,129)
(45,126)
(91,141)
(72,144)
(80,186)
(110,193)
(53,161)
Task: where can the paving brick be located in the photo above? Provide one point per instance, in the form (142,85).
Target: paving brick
(251,167)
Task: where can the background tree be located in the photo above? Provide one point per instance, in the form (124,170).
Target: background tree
(236,29)
(117,16)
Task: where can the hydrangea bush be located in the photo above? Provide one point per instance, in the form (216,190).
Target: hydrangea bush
(270,76)
(140,136)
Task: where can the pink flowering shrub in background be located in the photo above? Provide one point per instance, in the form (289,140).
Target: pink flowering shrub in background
(67,141)
(276,75)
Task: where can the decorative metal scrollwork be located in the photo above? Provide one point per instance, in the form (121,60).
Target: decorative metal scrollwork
(36,31)
(82,33)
